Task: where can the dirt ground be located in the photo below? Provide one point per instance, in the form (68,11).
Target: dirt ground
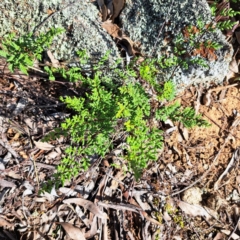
(191,192)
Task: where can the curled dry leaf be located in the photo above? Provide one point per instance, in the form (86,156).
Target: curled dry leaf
(193,210)
(110,9)
(144,205)
(222,94)
(55,62)
(88,205)
(237,34)
(43,145)
(233,66)
(73,232)
(80,214)
(5,183)
(125,42)
(6,224)
(233,235)
(185,133)
(112,29)
(207,98)
(103,9)
(117,7)
(219,236)
(93,230)
(234,160)
(152,220)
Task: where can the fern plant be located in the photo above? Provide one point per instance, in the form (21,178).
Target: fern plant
(108,106)
(22,51)
(125,109)
(97,118)
(186,115)
(226,12)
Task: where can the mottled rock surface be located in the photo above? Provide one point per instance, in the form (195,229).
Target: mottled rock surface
(144,21)
(80,19)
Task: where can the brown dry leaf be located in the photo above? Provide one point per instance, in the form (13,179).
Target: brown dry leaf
(93,230)
(88,205)
(207,98)
(11,87)
(50,11)
(206,52)
(237,34)
(230,75)
(236,25)
(73,232)
(233,66)
(184,132)
(43,145)
(54,61)
(117,7)
(13,174)
(110,9)
(100,3)
(234,160)
(15,137)
(4,183)
(127,44)
(140,60)
(152,220)
(112,29)
(222,94)
(82,216)
(219,236)
(189,30)
(193,210)
(103,9)
(6,224)
(23,155)
(119,177)
(233,236)
(177,238)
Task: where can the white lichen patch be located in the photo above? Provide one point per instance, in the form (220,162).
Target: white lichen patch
(192,196)
(153,22)
(80,19)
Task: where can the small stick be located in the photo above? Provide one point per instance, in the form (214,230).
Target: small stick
(234,230)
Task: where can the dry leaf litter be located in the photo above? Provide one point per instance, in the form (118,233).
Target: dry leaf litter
(192,192)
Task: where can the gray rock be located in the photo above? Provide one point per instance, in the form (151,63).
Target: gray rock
(144,21)
(80,20)
(141,20)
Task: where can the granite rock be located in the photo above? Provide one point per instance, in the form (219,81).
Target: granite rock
(149,22)
(146,22)
(80,19)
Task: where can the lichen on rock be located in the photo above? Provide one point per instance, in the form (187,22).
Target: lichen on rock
(149,22)
(80,19)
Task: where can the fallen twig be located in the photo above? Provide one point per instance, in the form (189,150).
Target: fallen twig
(125,207)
